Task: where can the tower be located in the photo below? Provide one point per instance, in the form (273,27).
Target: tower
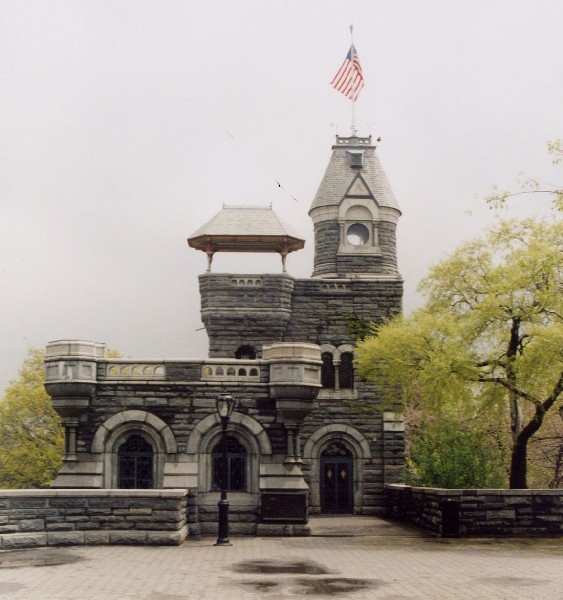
(242,313)
(354,214)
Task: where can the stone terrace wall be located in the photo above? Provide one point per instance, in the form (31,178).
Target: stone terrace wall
(482,512)
(30,518)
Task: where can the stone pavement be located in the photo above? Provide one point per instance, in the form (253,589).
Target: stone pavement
(347,557)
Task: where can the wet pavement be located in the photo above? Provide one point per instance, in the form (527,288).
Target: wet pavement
(346,557)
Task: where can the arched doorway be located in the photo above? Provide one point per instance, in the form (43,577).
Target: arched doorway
(135,465)
(337,479)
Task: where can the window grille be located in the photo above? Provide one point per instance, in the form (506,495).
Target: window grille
(236,465)
(135,463)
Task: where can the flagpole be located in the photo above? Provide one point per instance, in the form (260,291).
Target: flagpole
(349,79)
(353,128)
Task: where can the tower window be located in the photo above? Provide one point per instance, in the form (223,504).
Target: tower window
(327,371)
(357,235)
(356,159)
(347,371)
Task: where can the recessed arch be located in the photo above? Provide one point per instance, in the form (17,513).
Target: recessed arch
(324,435)
(238,421)
(358,206)
(118,428)
(130,419)
(207,434)
(245,352)
(319,441)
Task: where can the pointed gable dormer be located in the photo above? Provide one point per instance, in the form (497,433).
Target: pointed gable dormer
(354,214)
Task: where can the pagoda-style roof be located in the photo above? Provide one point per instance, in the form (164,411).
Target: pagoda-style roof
(341,173)
(246,229)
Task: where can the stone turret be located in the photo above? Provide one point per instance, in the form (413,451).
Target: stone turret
(354,214)
(241,313)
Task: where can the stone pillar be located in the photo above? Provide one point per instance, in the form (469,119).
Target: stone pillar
(70,380)
(70,424)
(295,379)
(393,446)
(290,458)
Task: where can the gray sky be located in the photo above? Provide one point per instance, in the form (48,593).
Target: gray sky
(125,125)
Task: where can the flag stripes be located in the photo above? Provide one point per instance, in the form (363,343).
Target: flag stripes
(349,79)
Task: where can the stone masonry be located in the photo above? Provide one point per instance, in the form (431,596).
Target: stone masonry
(307,435)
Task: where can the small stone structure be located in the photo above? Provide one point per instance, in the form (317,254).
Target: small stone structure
(479,512)
(31,518)
(282,346)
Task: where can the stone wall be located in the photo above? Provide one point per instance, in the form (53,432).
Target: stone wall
(481,512)
(30,518)
(330,262)
(320,308)
(242,310)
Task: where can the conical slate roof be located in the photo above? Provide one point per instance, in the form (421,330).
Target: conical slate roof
(246,229)
(340,174)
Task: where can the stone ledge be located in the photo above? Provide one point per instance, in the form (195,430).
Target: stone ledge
(472,492)
(80,538)
(98,493)
(274,530)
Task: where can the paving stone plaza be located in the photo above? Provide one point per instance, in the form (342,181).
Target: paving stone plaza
(346,557)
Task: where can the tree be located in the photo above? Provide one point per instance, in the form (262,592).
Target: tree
(452,452)
(497,199)
(31,437)
(490,334)
(545,455)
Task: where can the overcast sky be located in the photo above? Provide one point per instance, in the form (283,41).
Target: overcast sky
(125,125)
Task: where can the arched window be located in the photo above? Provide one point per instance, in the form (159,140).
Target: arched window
(245,353)
(336,449)
(346,371)
(357,234)
(135,463)
(236,466)
(327,371)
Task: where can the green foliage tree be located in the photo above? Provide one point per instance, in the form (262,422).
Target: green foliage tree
(31,437)
(490,334)
(450,452)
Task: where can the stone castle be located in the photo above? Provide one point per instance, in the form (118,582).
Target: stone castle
(306,436)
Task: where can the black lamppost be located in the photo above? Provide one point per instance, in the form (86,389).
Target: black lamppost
(225,405)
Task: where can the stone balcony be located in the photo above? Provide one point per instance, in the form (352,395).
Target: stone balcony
(74,367)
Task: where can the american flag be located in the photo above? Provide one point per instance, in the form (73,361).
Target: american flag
(349,79)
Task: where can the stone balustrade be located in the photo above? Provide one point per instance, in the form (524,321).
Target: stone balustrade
(135,370)
(231,370)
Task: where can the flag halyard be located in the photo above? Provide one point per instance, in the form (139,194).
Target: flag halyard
(349,79)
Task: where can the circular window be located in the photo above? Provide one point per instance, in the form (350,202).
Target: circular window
(357,235)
